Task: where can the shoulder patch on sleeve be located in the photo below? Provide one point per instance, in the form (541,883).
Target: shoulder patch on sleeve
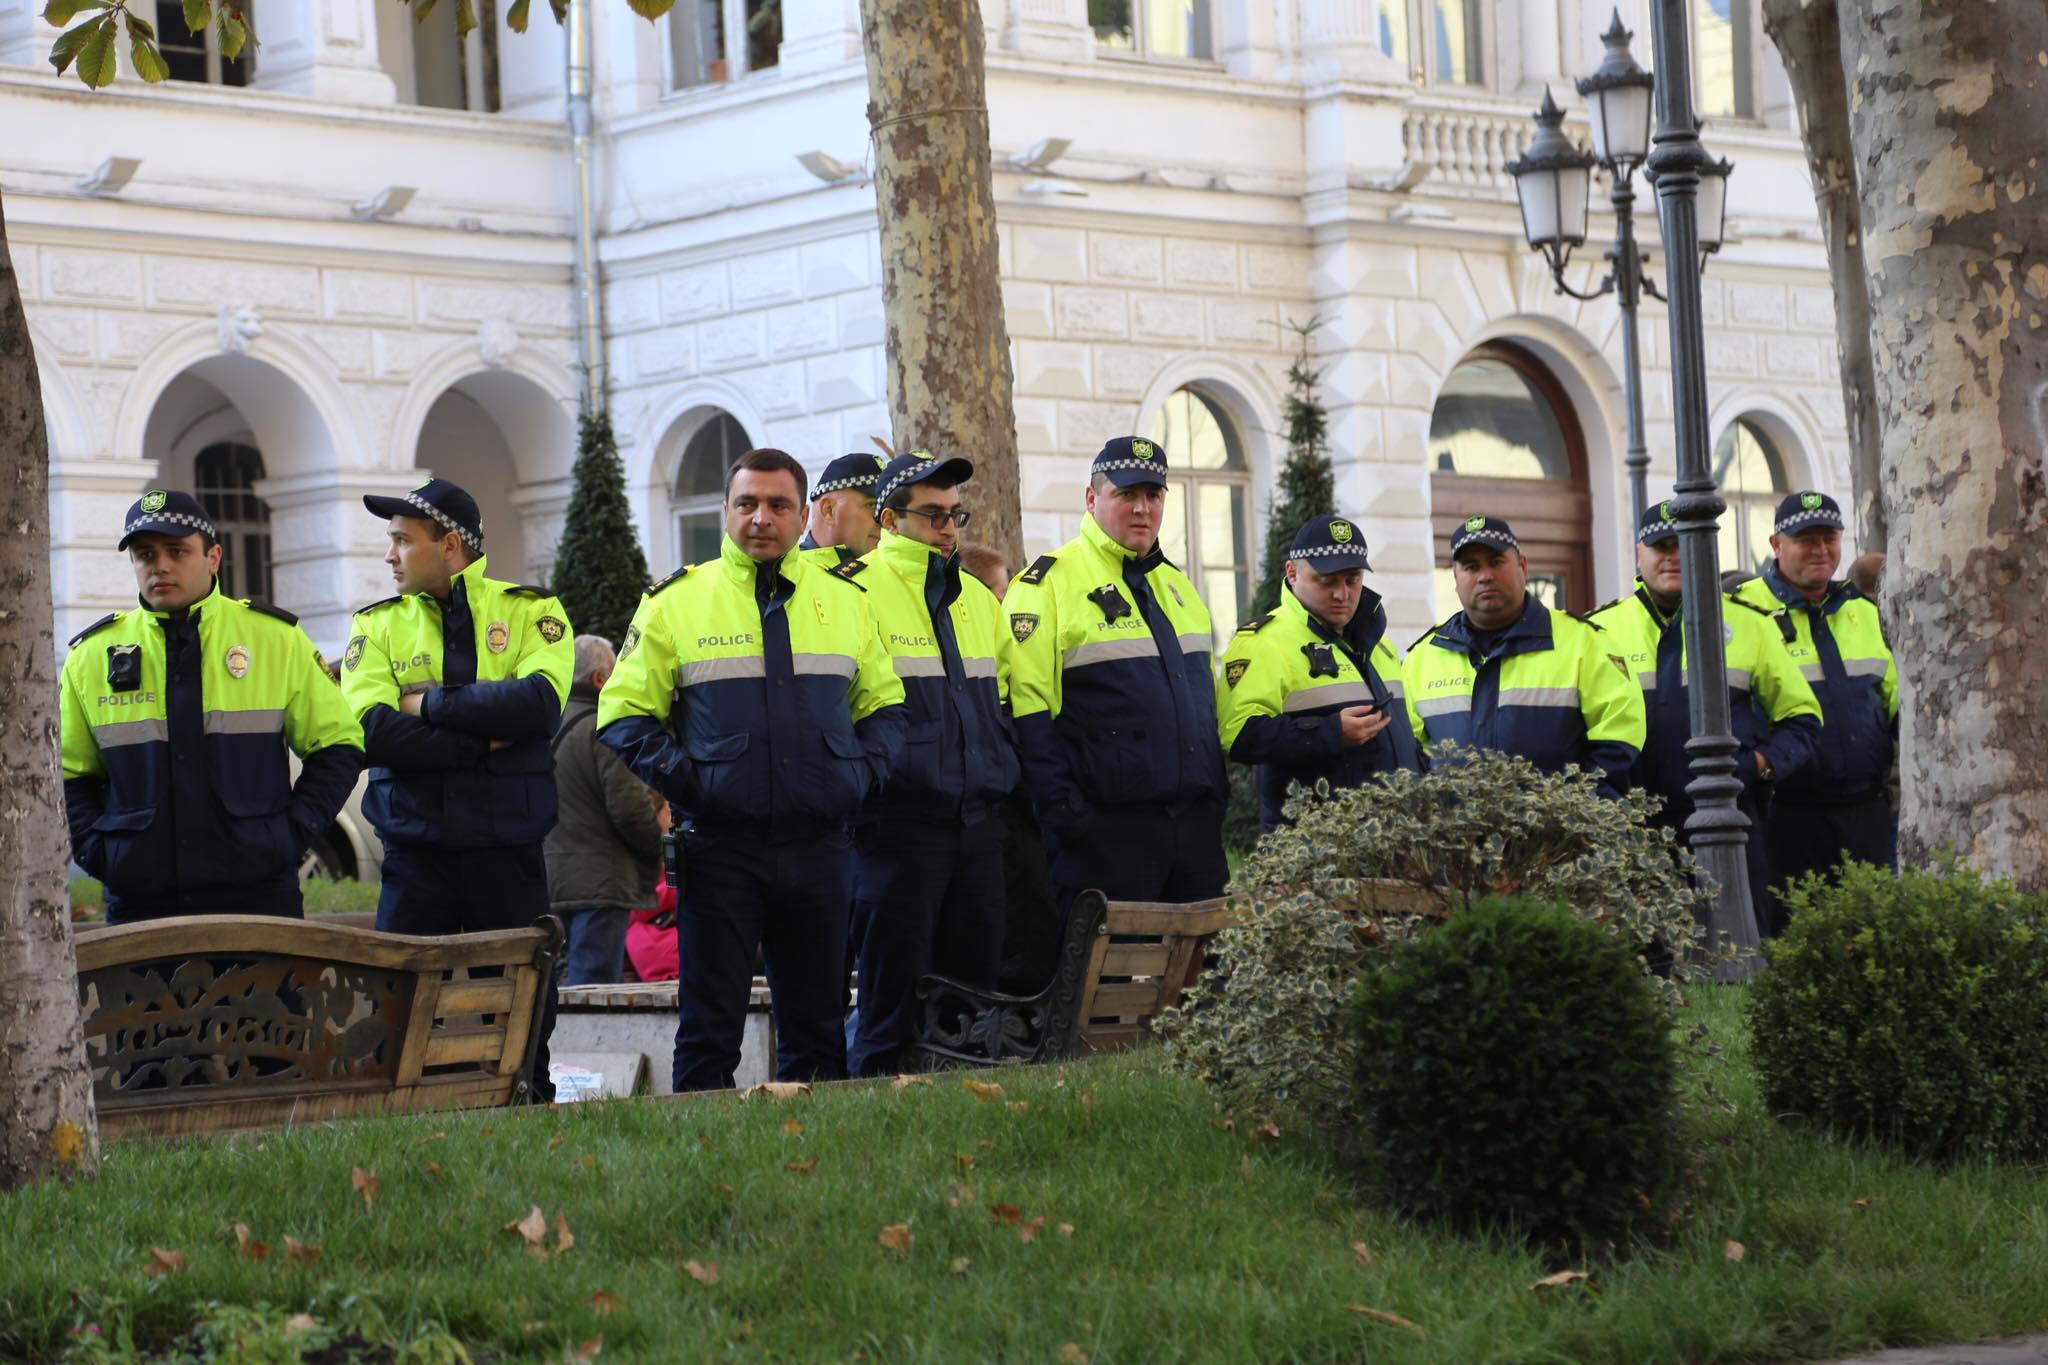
(668,582)
(846,570)
(1040,567)
(383,603)
(1253,626)
(97,626)
(268,610)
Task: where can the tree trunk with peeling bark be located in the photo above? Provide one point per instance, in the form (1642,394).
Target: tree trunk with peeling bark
(1949,118)
(1808,37)
(46,1115)
(942,292)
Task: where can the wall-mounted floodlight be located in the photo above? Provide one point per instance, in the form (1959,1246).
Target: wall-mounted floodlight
(832,170)
(1037,159)
(112,176)
(387,202)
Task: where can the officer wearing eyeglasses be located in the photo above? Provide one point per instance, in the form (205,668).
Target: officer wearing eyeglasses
(929,881)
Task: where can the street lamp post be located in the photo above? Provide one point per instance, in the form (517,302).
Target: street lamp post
(1691,194)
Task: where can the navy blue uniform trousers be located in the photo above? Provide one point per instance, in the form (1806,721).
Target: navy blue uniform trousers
(930,900)
(1137,853)
(792,900)
(434,891)
(1810,837)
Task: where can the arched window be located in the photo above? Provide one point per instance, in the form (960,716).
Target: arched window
(1208,505)
(1750,473)
(698,498)
(224,480)
(1503,441)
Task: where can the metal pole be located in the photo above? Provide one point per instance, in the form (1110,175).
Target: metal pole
(589,289)
(1717,829)
(1628,275)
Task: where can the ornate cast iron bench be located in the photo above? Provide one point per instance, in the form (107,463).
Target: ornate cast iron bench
(1120,964)
(216,1022)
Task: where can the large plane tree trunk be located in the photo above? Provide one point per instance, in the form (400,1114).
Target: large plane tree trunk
(1808,37)
(46,1115)
(1949,117)
(942,289)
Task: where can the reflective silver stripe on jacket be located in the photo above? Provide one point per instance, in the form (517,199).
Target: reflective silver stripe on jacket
(1334,694)
(1865,668)
(243,722)
(830,665)
(1111,651)
(1196,644)
(1813,673)
(978,668)
(919,665)
(1394,688)
(117,733)
(1738,679)
(1444,706)
(1540,696)
(719,670)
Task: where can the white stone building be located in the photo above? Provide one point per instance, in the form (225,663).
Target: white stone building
(231,312)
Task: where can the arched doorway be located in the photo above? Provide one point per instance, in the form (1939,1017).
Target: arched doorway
(1207,527)
(1749,469)
(224,479)
(1504,441)
(697,498)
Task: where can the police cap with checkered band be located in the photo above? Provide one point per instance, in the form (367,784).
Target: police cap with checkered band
(1128,461)
(166,512)
(1807,511)
(447,505)
(1329,545)
(849,473)
(1491,532)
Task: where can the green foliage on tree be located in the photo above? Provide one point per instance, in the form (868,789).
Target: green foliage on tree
(1307,487)
(599,570)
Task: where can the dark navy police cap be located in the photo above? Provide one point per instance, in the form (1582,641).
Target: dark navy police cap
(918,467)
(1657,523)
(1329,545)
(166,512)
(1805,511)
(1129,460)
(438,501)
(1488,531)
(849,472)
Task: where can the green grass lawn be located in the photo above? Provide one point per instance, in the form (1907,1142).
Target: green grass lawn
(323,896)
(1188,1242)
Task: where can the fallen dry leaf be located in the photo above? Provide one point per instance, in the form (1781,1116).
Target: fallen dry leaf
(1859,1203)
(1020,1106)
(1066,1229)
(301,1322)
(248,1246)
(1070,1354)
(1061,1083)
(777,1090)
(305,1253)
(1246,1164)
(791,1128)
(960,1264)
(746,1330)
(1362,1252)
(1028,1232)
(163,1262)
(1557,1281)
(1088,1102)
(421,1142)
(1382,1315)
(986,1144)
(555,1142)
(983,1090)
(1224,1125)
(702,1274)
(366,1186)
(1268,1131)
(1733,1251)
(896,1237)
(563,1239)
(905,1082)
(434,1170)
(533,1228)
(965,1159)
(1006,1213)
(704,1141)
(587,1351)
(603,1304)
(801,1167)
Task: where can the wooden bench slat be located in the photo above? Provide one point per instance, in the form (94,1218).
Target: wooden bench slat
(486,995)
(272,936)
(480,1043)
(1123,999)
(1135,959)
(1200,918)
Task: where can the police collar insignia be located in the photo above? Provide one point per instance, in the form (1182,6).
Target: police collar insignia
(353,655)
(1023,625)
(498,636)
(1110,601)
(1233,670)
(238,661)
(154,499)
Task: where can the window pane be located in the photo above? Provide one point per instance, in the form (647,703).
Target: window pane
(1111,20)
(1745,461)
(1393,29)
(437,75)
(1223,521)
(1173,526)
(1220,590)
(1455,34)
(709,454)
(1491,422)
(1549,589)
(1723,45)
(698,535)
(764,33)
(1195,433)
(1177,28)
(696,38)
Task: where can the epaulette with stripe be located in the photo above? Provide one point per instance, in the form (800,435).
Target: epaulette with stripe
(1253,626)
(97,626)
(847,569)
(385,602)
(1424,638)
(527,590)
(268,610)
(1040,567)
(1587,621)
(1615,603)
(1760,611)
(672,579)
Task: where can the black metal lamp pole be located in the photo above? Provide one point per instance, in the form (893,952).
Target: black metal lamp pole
(1717,830)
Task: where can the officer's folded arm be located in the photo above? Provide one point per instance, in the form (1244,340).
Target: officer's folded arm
(326,777)
(514,709)
(392,739)
(646,747)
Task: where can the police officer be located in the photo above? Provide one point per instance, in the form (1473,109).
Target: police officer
(754,692)
(460,681)
(843,525)
(930,850)
(1511,674)
(175,718)
(1114,698)
(1776,719)
(1836,807)
(1312,690)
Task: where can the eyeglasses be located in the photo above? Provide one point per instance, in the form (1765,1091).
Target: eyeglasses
(941,516)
